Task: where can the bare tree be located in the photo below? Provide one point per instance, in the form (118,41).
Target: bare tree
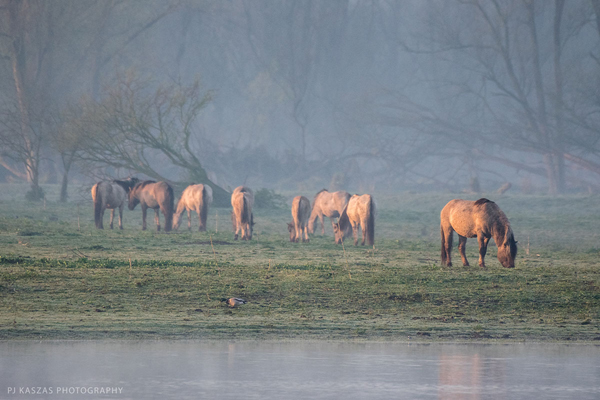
(508,62)
(144,129)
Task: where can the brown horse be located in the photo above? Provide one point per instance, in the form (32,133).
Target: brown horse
(482,219)
(300,213)
(155,195)
(194,198)
(111,195)
(242,201)
(327,204)
(360,211)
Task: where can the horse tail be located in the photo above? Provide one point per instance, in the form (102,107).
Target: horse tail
(203,209)
(444,255)
(168,206)
(344,222)
(97,197)
(245,217)
(178,211)
(371,223)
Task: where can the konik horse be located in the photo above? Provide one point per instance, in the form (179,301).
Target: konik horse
(112,195)
(155,195)
(327,204)
(242,201)
(300,212)
(360,212)
(194,198)
(482,219)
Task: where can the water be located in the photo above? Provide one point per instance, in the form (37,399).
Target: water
(296,370)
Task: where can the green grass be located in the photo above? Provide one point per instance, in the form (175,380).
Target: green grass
(60,278)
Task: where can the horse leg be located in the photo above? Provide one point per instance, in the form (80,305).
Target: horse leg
(323,224)
(189,213)
(298,229)
(112,217)
(101,226)
(462,244)
(363,226)
(237,230)
(144,212)
(448,235)
(306,238)
(483,243)
(355,234)
(157,218)
(121,216)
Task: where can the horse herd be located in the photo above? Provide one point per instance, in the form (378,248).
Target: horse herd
(482,219)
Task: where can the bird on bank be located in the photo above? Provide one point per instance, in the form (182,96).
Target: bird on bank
(234,302)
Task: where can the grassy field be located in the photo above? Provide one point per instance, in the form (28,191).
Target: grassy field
(60,278)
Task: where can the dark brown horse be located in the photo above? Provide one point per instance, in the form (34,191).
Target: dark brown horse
(155,195)
(242,201)
(300,213)
(360,212)
(111,195)
(482,219)
(194,198)
(329,205)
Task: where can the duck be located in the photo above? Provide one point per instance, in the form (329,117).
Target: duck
(234,302)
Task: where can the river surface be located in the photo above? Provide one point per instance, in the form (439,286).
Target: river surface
(296,370)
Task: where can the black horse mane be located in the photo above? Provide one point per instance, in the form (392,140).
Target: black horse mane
(481,201)
(143,184)
(317,195)
(126,184)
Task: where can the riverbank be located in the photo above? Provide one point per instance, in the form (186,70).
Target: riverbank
(60,278)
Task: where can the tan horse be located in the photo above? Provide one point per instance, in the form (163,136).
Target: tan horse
(242,201)
(360,212)
(194,198)
(329,205)
(111,195)
(482,219)
(300,212)
(155,195)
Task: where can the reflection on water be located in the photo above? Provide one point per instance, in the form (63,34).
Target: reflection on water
(296,370)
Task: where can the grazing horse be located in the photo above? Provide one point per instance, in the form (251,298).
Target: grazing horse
(194,198)
(482,219)
(242,201)
(360,211)
(111,195)
(155,195)
(300,212)
(327,204)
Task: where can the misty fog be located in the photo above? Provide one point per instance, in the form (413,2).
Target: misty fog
(303,94)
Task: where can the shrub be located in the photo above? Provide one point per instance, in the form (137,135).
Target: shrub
(266,198)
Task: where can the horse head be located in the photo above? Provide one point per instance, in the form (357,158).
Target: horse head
(133,199)
(338,233)
(507,251)
(292,231)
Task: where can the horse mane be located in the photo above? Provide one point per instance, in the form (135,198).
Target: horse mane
(125,184)
(371,223)
(316,197)
(483,200)
(344,221)
(143,184)
(169,205)
(318,193)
